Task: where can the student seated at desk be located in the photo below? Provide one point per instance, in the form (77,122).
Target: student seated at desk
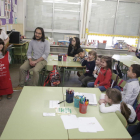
(74,46)
(131,89)
(89,62)
(134,131)
(41,49)
(5,80)
(80,57)
(103,80)
(114,98)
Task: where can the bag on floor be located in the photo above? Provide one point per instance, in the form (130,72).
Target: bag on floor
(138,112)
(53,78)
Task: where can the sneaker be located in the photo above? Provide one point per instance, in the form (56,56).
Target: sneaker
(17,88)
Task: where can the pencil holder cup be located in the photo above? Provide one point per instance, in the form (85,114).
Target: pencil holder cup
(59,57)
(76,102)
(69,97)
(83,108)
(64,58)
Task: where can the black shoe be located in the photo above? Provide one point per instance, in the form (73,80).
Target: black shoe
(1,97)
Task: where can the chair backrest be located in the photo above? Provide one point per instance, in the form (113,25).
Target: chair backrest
(121,83)
(114,76)
(122,118)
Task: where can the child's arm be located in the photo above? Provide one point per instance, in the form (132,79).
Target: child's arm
(96,81)
(127,94)
(91,67)
(84,63)
(105,109)
(107,78)
(75,58)
(82,59)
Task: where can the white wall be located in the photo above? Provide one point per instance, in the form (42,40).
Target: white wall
(21,13)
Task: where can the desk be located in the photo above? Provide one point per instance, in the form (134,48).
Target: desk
(113,128)
(23,50)
(127,60)
(70,64)
(26,120)
(51,61)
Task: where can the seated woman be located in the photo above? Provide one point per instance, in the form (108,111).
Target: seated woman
(74,46)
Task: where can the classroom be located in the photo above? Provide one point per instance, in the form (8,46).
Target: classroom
(69,69)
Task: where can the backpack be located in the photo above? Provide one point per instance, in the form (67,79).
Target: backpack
(53,78)
(138,112)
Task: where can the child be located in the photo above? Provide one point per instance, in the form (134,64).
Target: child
(103,80)
(98,66)
(131,89)
(5,80)
(89,62)
(114,98)
(80,57)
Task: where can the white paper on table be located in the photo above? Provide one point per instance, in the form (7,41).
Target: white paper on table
(54,104)
(89,124)
(55,59)
(69,121)
(48,114)
(90,96)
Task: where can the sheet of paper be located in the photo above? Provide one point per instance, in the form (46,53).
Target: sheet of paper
(90,96)
(55,59)
(54,104)
(69,121)
(48,114)
(89,124)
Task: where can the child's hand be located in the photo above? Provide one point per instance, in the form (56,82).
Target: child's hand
(102,101)
(94,72)
(78,60)
(86,58)
(96,86)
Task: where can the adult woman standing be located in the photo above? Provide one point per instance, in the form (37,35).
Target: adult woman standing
(74,46)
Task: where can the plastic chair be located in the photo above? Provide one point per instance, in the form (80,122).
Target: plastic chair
(122,84)
(122,118)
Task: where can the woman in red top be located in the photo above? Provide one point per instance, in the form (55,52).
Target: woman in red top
(5,80)
(103,80)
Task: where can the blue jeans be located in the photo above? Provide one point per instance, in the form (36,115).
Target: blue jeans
(134,131)
(91,84)
(117,87)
